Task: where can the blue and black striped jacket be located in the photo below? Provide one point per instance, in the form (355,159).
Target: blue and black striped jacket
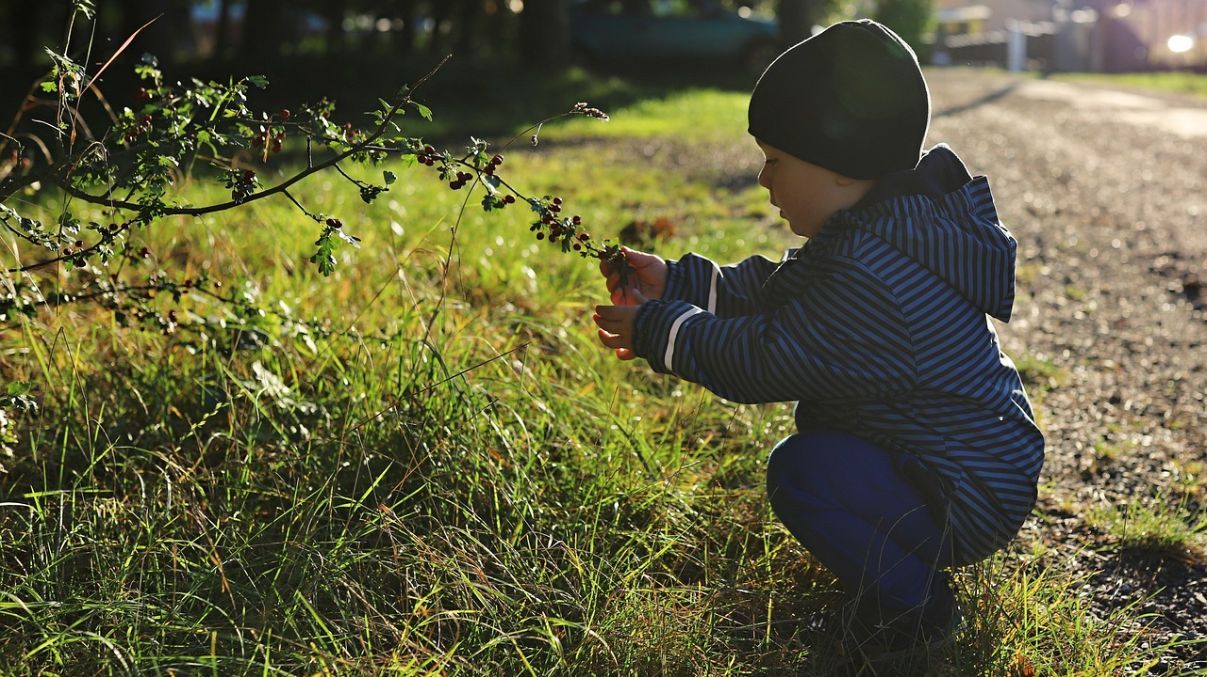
(877,327)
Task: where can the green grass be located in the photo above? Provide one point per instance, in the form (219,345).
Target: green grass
(447,482)
(1162,528)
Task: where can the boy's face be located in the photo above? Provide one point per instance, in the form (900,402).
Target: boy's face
(806,194)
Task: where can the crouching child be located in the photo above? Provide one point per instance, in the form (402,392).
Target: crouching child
(917,450)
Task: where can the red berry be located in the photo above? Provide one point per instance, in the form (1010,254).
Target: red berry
(557,200)
(335,223)
(249,175)
(509,199)
(577,220)
(540,236)
(497,160)
(284,114)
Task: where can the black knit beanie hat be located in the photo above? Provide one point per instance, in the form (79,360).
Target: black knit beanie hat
(850,99)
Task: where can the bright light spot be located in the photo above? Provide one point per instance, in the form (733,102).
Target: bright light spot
(744,12)
(1180,43)
(516,6)
(1121,10)
(383,25)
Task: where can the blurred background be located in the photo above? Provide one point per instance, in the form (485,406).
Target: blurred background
(358,48)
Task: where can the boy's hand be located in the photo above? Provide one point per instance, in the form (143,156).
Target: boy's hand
(647,278)
(616,325)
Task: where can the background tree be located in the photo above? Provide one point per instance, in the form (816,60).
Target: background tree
(544,34)
(796,18)
(266,26)
(909,18)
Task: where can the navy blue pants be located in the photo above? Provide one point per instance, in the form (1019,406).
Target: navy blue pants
(851,504)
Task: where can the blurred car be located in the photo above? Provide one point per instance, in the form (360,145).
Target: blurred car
(618,32)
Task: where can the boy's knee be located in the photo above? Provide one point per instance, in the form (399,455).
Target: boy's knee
(781,459)
(793,465)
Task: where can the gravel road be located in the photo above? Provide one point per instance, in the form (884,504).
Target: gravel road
(1106,192)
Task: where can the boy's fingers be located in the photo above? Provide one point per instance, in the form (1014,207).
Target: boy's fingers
(611,325)
(612,340)
(603,320)
(625,354)
(638,259)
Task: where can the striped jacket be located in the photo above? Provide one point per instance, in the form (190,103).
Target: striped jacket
(877,327)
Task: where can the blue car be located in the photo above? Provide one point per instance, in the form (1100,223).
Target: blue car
(658,31)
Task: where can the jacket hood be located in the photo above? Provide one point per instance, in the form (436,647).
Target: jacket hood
(940,216)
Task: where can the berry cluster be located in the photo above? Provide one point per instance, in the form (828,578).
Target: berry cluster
(428,156)
(241,183)
(141,126)
(268,139)
(491,166)
(561,230)
(549,224)
(460,181)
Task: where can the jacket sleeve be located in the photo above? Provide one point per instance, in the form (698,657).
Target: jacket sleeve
(843,337)
(725,291)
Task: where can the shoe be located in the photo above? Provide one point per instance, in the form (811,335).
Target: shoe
(869,630)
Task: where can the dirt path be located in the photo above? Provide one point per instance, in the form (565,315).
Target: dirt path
(1107,194)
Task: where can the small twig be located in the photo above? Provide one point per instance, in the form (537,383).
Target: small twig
(358,183)
(299,204)
(83,252)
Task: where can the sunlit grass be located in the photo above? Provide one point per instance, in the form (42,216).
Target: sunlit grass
(1160,527)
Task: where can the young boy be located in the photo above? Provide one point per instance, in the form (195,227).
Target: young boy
(917,449)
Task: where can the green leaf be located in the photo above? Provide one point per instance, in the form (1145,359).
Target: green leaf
(389,176)
(258,80)
(424,111)
(50,86)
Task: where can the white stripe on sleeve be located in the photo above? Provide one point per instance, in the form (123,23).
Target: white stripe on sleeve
(712,293)
(670,339)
